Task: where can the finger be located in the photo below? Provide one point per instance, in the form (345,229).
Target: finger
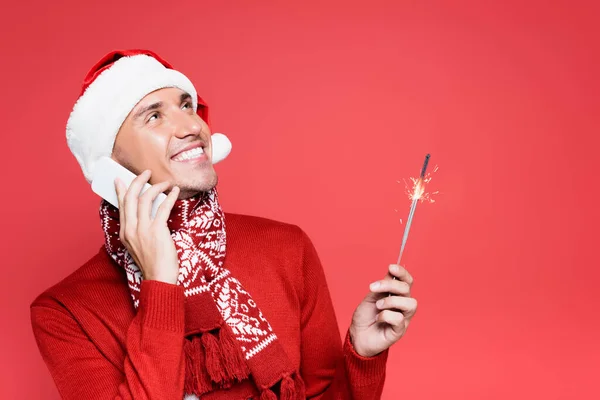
(407,305)
(399,272)
(120,189)
(131,199)
(393,318)
(147,199)
(164,210)
(396,287)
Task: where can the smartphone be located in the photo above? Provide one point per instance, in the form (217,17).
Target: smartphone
(107,170)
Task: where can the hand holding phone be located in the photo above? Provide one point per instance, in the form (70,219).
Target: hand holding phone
(148,238)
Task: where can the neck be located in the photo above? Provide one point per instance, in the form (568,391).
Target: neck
(185,208)
(186,194)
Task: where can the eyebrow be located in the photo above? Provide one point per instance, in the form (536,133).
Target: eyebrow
(144,110)
(159,104)
(185,97)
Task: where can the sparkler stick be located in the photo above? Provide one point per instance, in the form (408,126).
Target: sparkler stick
(419,189)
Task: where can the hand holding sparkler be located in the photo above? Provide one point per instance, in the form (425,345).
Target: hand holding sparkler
(379,321)
(383,316)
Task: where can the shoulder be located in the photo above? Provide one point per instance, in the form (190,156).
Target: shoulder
(280,253)
(84,285)
(256,228)
(258,239)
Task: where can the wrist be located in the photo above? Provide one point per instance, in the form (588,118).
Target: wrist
(162,306)
(161,278)
(356,344)
(364,371)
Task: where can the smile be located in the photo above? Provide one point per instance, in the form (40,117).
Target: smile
(192,154)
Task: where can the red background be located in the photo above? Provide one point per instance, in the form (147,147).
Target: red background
(328,105)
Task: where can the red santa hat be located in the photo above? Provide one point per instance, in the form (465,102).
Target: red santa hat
(111,89)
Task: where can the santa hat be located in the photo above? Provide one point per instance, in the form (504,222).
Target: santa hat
(111,89)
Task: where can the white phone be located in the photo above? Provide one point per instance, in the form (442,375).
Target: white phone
(107,170)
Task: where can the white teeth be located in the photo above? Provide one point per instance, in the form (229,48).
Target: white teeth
(187,155)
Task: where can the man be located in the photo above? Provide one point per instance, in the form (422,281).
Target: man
(194,302)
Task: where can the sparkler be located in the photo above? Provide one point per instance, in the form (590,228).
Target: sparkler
(418,193)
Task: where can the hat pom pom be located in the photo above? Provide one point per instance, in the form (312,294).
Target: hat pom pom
(221,147)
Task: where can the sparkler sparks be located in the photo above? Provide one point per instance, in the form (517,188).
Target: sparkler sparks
(416,191)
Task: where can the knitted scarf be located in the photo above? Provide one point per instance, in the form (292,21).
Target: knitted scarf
(227,338)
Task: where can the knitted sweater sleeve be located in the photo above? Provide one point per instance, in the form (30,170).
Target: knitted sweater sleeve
(153,367)
(331,368)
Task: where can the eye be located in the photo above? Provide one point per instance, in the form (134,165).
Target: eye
(187,104)
(152,116)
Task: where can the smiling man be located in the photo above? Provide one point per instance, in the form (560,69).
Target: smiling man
(195,302)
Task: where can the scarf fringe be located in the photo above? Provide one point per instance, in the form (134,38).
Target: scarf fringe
(288,389)
(197,380)
(214,366)
(232,357)
(267,394)
(213,360)
(299,386)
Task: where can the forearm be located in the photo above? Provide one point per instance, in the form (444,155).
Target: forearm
(153,363)
(154,366)
(355,377)
(366,375)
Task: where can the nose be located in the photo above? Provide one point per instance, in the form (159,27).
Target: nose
(185,124)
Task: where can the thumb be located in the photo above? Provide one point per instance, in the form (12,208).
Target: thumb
(376,291)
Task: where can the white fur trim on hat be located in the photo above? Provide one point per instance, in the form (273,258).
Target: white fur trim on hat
(99,113)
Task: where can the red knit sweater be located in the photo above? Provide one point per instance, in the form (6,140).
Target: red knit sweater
(97,347)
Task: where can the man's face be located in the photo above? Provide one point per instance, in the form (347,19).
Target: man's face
(163,134)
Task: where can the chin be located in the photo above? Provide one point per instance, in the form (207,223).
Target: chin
(193,187)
